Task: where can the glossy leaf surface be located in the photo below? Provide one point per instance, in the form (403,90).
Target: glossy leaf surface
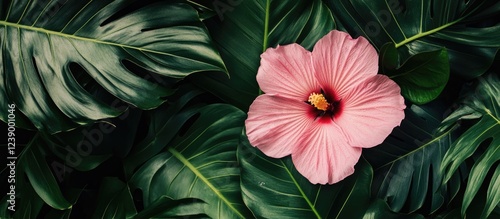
(45,44)
(248,29)
(407,163)
(422,77)
(272,188)
(482,103)
(201,163)
(415,26)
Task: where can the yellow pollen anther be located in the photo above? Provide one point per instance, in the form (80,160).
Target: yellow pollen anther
(319,101)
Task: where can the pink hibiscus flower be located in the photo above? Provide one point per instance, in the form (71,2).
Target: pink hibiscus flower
(324,106)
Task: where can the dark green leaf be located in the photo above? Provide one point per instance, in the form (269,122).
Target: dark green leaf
(248,29)
(167,207)
(112,41)
(201,163)
(353,200)
(379,210)
(272,188)
(463,27)
(4,212)
(73,195)
(28,202)
(164,124)
(115,200)
(493,197)
(32,162)
(483,104)
(422,77)
(388,58)
(451,214)
(407,163)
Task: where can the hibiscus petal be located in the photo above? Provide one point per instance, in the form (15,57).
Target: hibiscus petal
(341,62)
(287,71)
(275,124)
(371,111)
(324,155)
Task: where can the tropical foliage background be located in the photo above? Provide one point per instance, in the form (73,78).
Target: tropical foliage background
(136,109)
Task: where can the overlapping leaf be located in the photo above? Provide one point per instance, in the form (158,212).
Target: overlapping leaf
(272,188)
(44,43)
(422,77)
(166,207)
(414,26)
(115,200)
(483,104)
(248,29)
(164,123)
(379,209)
(200,164)
(32,162)
(407,163)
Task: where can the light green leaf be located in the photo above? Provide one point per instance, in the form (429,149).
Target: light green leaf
(200,163)
(247,30)
(483,104)
(48,46)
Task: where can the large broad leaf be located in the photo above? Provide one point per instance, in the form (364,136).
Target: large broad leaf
(32,162)
(422,77)
(163,125)
(28,203)
(272,188)
(46,44)
(248,29)
(416,26)
(166,207)
(407,163)
(484,104)
(201,163)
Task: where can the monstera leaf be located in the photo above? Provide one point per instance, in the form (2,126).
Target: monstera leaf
(49,46)
(483,103)
(414,26)
(199,163)
(407,163)
(250,27)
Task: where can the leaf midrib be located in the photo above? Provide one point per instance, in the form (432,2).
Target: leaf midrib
(301,191)
(425,33)
(186,162)
(86,39)
(419,148)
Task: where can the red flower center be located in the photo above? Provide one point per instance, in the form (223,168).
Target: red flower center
(324,107)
